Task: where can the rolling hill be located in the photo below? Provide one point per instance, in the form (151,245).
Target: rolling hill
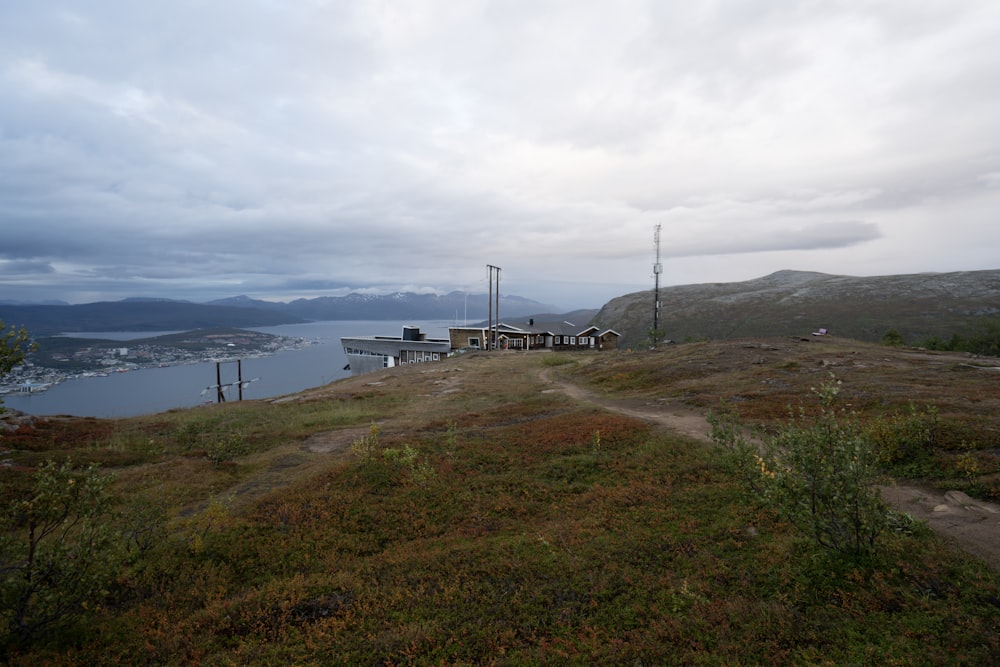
(796,303)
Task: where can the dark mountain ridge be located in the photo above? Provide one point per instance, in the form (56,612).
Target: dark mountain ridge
(397,306)
(142,314)
(795,303)
(135,315)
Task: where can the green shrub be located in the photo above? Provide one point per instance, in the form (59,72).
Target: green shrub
(227,448)
(982,336)
(383,464)
(194,531)
(936,343)
(58,551)
(367,447)
(15,345)
(656,337)
(188,434)
(905,438)
(739,453)
(818,473)
(556,359)
(893,338)
(597,448)
(407,459)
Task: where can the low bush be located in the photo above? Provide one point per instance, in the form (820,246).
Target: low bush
(904,438)
(227,448)
(818,473)
(556,359)
(58,550)
(893,338)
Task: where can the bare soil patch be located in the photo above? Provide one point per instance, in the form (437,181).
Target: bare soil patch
(972,525)
(334,441)
(671,414)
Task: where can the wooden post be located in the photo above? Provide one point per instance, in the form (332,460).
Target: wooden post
(220,396)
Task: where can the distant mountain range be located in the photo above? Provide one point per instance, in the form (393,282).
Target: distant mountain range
(141,314)
(797,303)
(793,303)
(399,306)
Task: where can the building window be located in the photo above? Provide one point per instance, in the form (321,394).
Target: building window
(473,342)
(572,340)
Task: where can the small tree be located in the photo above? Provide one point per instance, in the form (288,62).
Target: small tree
(14,346)
(819,473)
(739,451)
(656,337)
(984,337)
(57,550)
(367,447)
(893,338)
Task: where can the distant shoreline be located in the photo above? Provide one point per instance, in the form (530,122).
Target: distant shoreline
(100,357)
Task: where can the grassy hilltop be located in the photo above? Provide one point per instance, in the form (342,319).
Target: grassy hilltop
(512,508)
(796,303)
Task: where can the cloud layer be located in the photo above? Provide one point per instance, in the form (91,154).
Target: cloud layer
(199,150)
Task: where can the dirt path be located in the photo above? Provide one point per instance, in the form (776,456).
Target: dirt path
(972,525)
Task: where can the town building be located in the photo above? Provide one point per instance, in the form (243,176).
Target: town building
(370,353)
(532,336)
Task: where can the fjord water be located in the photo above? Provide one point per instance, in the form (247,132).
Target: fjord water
(151,390)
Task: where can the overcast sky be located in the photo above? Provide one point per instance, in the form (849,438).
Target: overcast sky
(211,148)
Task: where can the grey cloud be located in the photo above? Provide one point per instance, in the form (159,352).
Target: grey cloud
(267,146)
(748,241)
(22,268)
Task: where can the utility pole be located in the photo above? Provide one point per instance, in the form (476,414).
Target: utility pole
(489,307)
(496,309)
(657,270)
(490,331)
(220,389)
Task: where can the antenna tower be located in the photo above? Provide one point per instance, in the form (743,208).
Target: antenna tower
(657,270)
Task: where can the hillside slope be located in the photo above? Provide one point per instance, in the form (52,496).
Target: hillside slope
(799,302)
(517,508)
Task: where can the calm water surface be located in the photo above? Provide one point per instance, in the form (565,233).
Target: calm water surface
(151,390)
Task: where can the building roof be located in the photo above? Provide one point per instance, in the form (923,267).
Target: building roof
(553,328)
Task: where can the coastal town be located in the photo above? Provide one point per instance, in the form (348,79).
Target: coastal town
(61,358)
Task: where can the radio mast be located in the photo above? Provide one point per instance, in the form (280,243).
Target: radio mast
(657,270)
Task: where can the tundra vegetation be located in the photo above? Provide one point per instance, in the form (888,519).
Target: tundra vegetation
(468,512)
(819,472)
(982,336)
